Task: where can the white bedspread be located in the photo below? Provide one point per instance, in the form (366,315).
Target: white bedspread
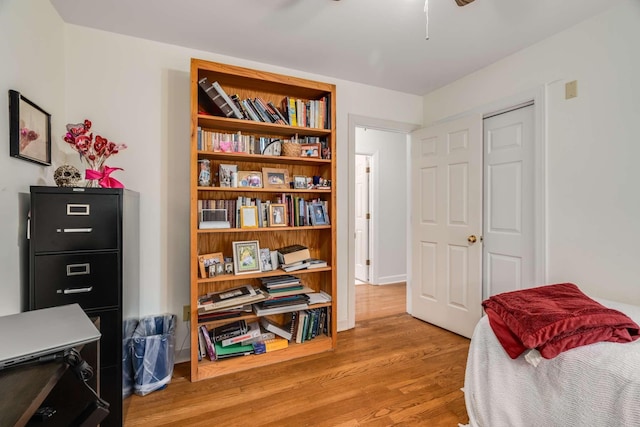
(596,385)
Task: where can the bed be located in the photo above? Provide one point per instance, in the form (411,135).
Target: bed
(593,385)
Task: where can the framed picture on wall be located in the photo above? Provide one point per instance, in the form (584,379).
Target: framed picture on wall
(29,130)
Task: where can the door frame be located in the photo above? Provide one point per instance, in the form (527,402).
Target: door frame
(370,123)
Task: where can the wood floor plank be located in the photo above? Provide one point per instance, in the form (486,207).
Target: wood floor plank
(391,370)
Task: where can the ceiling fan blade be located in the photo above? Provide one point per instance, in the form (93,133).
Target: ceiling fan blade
(463,2)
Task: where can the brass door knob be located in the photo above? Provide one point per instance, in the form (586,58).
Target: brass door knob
(472,239)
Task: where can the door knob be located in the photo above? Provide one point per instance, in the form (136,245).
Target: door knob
(472,239)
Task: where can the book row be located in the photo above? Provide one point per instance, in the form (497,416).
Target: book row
(238,142)
(295,111)
(245,212)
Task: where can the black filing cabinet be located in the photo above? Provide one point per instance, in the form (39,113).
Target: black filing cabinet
(84,248)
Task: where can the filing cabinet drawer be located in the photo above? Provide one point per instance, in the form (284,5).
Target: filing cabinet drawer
(74,222)
(90,280)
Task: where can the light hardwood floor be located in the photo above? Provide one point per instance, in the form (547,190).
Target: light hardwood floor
(391,370)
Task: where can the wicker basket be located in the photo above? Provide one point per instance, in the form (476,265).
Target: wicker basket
(291,149)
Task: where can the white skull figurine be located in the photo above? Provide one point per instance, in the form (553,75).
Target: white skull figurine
(67,176)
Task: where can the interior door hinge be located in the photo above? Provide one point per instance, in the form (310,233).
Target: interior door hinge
(368,216)
(368,262)
(368,170)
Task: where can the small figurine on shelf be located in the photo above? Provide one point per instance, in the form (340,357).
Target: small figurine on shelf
(204,177)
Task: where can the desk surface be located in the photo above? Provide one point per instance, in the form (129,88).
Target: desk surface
(24,388)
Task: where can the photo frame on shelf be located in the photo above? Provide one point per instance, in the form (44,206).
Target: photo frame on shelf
(246,256)
(205,261)
(29,130)
(228,267)
(277,215)
(299,182)
(248,217)
(265,259)
(224,174)
(310,150)
(318,214)
(250,179)
(275,178)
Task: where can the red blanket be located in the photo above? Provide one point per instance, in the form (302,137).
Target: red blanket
(554,318)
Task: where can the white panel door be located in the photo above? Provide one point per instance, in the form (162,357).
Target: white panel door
(362,220)
(446,224)
(509,252)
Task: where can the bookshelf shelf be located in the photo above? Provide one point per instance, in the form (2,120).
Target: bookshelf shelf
(277,90)
(249,317)
(225,278)
(261,158)
(262,229)
(210,369)
(261,190)
(228,124)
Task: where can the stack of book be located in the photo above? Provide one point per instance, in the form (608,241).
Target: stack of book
(292,254)
(298,257)
(283,304)
(227,303)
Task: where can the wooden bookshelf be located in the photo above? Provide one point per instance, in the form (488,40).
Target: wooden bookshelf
(320,239)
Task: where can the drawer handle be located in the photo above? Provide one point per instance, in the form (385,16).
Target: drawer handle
(78,269)
(74,230)
(75,291)
(77,209)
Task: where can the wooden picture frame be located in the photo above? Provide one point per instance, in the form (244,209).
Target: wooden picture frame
(275,178)
(310,150)
(246,257)
(299,182)
(29,130)
(318,214)
(250,179)
(207,260)
(277,215)
(248,217)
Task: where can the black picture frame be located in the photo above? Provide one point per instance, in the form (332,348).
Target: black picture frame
(29,130)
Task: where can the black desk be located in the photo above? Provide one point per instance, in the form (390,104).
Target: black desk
(23,389)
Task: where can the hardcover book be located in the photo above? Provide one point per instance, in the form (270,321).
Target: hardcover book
(275,328)
(207,341)
(232,350)
(216,98)
(229,330)
(236,113)
(293,253)
(253,331)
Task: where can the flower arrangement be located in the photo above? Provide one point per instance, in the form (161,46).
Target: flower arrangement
(94,152)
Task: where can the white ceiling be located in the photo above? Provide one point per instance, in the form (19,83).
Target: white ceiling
(375,42)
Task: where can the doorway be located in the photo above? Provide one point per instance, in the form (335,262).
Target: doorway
(393,182)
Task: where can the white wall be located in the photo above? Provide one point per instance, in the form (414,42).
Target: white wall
(137,92)
(593,202)
(33,64)
(389,202)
